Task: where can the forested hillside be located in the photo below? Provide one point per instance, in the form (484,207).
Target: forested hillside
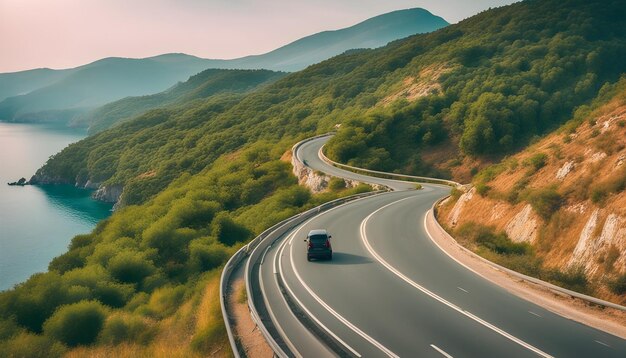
(200,180)
(205,84)
(495,81)
(556,210)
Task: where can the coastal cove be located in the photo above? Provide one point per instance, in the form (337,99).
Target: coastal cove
(38,222)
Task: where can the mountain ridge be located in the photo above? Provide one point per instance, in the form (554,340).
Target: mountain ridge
(107,81)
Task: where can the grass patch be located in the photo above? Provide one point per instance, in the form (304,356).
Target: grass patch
(242,295)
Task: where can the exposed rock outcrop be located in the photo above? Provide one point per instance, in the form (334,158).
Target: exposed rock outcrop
(315,181)
(581,252)
(453,218)
(564,170)
(591,245)
(523,227)
(108,193)
(89,185)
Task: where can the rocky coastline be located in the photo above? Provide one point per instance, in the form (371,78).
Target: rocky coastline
(102,192)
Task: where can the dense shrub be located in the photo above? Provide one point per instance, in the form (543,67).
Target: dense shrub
(77,323)
(545,201)
(126,328)
(130,267)
(574,279)
(538,161)
(336,184)
(487,238)
(618,285)
(31,345)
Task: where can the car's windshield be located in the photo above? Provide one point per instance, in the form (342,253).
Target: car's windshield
(317,239)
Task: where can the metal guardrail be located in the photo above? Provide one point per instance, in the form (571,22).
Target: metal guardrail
(433,219)
(267,239)
(254,249)
(385,175)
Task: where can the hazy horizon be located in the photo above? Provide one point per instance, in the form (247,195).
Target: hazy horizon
(69,33)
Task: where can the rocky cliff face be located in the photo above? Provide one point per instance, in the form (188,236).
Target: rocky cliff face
(109,194)
(314,180)
(581,222)
(106,193)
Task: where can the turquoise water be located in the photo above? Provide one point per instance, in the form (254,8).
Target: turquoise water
(37,223)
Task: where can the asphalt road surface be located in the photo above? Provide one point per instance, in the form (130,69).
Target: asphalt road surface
(389,291)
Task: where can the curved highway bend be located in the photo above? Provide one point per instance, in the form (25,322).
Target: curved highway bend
(389,291)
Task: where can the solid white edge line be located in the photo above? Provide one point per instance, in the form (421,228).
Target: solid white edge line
(433,295)
(430,236)
(273,317)
(441,351)
(309,313)
(265,253)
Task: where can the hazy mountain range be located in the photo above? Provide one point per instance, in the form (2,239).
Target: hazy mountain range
(60,95)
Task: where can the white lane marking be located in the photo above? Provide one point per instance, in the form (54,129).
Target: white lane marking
(265,253)
(276,258)
(441,351)
(343,320)
(462,289)
(534,314)
(445,252)
(273,317)
(433,295)
(602,343)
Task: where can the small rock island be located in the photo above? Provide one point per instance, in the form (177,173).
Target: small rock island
(20,182)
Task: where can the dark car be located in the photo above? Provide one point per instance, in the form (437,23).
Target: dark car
(318,245)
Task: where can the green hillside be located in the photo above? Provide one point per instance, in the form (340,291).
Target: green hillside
(205,84)
(201,179)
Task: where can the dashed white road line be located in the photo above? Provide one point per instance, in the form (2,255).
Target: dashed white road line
(602,343)
(441,351)
(406,279)
(534,314)
(462,289)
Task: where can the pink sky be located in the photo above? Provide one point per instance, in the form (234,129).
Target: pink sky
(69,33)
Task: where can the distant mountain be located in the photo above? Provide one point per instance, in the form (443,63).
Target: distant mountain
(17,83)
(371,33)
(100,82)
(61,95)
(205,84)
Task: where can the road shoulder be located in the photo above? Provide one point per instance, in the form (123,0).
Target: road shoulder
(609,320)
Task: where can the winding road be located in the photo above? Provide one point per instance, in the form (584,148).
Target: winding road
(390,291)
